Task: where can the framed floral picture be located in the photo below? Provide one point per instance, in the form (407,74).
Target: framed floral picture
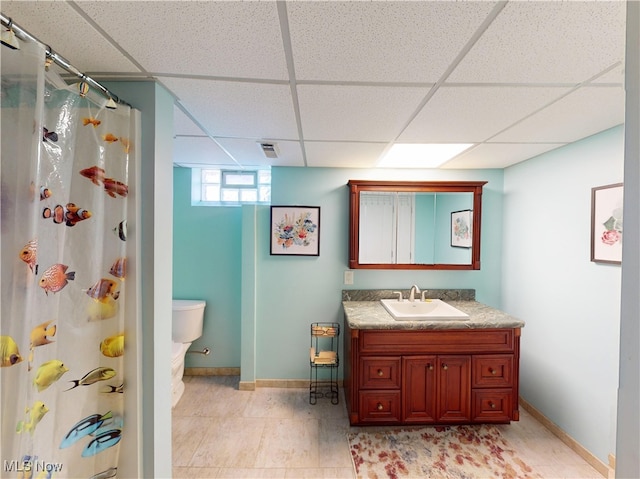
(295,230)
(461,229)
(606,224)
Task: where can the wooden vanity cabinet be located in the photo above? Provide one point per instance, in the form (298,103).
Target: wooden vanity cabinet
(436,389)
(431,376)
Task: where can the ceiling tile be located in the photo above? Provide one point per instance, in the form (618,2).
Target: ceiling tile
(52,24)
(475,113)
(183,125)
(356,113)
(190,150)
(547,42)
(233,39)
(499,155)
(248,152)
(361,70)
(343,154)
(616,75)
(238,109)
(571,118)
(380,41)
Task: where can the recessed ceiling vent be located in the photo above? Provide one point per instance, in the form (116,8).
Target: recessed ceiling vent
(270,150)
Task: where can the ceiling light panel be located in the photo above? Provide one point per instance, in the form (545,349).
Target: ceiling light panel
(380,41)
(412,155)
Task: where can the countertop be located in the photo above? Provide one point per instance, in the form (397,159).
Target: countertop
(372,315)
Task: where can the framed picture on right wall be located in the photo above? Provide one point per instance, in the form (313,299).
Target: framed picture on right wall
(606,224)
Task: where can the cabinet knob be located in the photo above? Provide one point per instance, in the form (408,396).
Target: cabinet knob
(380,407)
(430,367)
(380,373)
(492,405)
(492,371)
(444,366)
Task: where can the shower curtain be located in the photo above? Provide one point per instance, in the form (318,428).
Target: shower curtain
(63,205)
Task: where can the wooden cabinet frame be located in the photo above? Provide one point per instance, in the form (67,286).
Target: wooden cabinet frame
(432,376)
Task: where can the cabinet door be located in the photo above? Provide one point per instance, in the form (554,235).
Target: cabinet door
(380,372)
(380,406)
(419,393)
(454,391)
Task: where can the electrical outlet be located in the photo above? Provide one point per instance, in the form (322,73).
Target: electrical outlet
(348,277)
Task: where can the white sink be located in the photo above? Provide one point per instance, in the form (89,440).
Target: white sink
(429,310)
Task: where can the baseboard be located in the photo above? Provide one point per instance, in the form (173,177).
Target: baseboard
(612,466)
(250,385)
(247,386)
(274,383)
(604,469)
(285,383)
(212,371)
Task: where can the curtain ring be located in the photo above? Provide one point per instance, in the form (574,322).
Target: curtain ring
(49,58)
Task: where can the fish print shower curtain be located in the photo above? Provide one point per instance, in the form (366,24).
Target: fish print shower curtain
(64,193)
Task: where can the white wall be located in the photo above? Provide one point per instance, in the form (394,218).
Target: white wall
(628,433)
(571,306)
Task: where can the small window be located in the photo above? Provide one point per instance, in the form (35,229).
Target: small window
(220,187)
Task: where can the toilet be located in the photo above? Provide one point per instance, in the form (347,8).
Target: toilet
(186,327)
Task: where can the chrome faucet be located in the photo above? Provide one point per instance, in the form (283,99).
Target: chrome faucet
(412,292)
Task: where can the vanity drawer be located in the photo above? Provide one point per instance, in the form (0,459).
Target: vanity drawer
(492,405)
(377,372)
(380,406)
(492,370)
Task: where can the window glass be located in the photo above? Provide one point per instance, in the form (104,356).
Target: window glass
(220,187)
(210,192)
(210,176)
(232,178)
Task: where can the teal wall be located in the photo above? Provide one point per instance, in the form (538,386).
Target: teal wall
(446,204)
(537,269)
(153,266)
(207,265)
(571,306)
(424,220)
(211,263)
(296,291)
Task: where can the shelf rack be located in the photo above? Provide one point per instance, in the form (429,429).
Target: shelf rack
(323,355)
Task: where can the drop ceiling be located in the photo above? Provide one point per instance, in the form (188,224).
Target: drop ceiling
(336,83)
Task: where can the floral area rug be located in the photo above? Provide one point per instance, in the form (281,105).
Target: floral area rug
(440,452)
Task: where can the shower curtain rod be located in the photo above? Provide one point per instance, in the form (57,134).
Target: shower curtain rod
(58,59)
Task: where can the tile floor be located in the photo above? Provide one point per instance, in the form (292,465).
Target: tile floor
(221,432)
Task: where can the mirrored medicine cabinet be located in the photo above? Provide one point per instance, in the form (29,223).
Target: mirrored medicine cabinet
(414,224)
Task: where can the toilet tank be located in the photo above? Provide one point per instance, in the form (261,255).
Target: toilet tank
(187,320)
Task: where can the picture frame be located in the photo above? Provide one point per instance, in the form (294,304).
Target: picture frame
(295,230)
(462,229)
(606,223)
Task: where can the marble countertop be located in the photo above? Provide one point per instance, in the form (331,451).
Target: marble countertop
(372,315)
